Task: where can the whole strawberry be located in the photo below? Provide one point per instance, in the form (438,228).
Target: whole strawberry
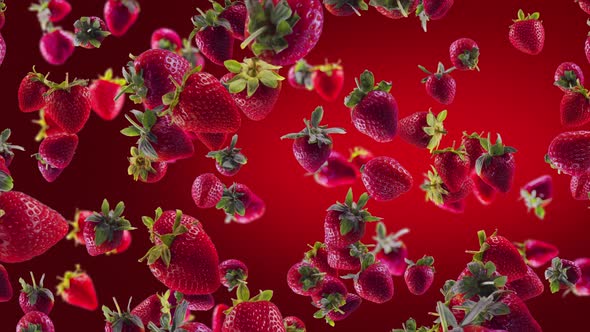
(213,141)
(353,302)
(253,314)
(56,46)
(574,109)
(166,39)
(568,75)
(241,204)
(58,150)
(305,279)
(299,75)
(67,104)
(35,321)
(35,298)
(518,318)
(464,53)
(527,33)
(120,15)
(317,256)
(580,187)
(473,147)
(294,324)
(569,152)
(562,274)
(7,147)
(503,254)
(89,32)
(103,231)
(328,80)
(395,9)
(213,36)
(232,273)
(103,92)
(235,12)
(440,194)
(255,86)
(338,171)
(6,290)
(484,193)
(183,256)
(121,321)
(440,85)
(144,168)
(419,276)
(423,129)
(496,167)
(76,288)
(313,145)
(207,190)
(537,194)
(390,250)
(528,287)
(230,160)
(385,178)
(374,110)
(282,32)
(537,253)
(345,7)
(359,156)
(453,167)
(52,10)
(19,220)
(330,299)
(31,91)
(373,282)
(433,10)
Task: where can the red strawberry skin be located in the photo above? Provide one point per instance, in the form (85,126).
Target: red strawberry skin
(218,317)
(459,47)
(310,156)
(194,261)
(57,47)
(172,142)
(23,217)
(419,278)
(215,43)
(385,178)
(35,318)
(396,13)
(30,94)
(442,89)
(120,15)
(319,258)
(196,327)
(236,15)
(582,287)
(376,116)
(528,287)
(568,66)
(294,280)
(453,169)
(410,129)
(149,310)
(2,49)
(328,85)
(81,293)
(353,302)
(102,99)
(200,302)
(484,193)
(331,285)
(506,257)
(59,9)
(43,303)
(340,259)
(92,248)
(437,9)
(586,48)
(337,172)
(258,106)
(574,109)
(50,174)
(164,35)
(539,253)
(262,316)
(395,260)
(6,290)
(161,170)
(519,318)
(333,238)
(375,284)
(207,190)
(499,173)
(527,36)
(473,149)
(58,150)
(570,152)
(580,187)
(69,109)
(213,141)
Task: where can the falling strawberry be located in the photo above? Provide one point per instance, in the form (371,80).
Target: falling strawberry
(144,168)
(2,49)
(103,91)
(473,147)
(299,75)
(2,14)
(150,310)
(419,275)
(582,287)
(213,36)
(255,86)
(89,32)
(213,141)
(337,171)
(294,324)
(464,53)
(313,145)
(35,321)
(49,173)
(580,187)
(587,44)
(390,250)
(518,317)
(328,80)
(120,15)
(537,253)
(218,317)
(574,109)
(440,194)
(452,166)
(253,314)
(423,129)
(67,104)
(537,194)
(56,46)
(496,166)
(233,273)
(58,150)
(568,75)
(6,148)
(121,321)
(385,178)
(207,190)
(6,181)
(125,244)
(330,299)
(395,9)
(345,259)
(166,39)
(20,216)
(305,279)
(374,110)
(433,10)
(503,254)
(174,317)
(76,288)
(103,231)
(440,85)
(35,298)
(183,257)
(318,257)
(235,12)
(373,282)
(569,152)
(484,193)
(345,7)
(528,287)
(204,302)
(353,302)
(359,156)
(52,10)
(229,160)
(31,91)
(285,31)
(241,204)
(562,274)
(527,33)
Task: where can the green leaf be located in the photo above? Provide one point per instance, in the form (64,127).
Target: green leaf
(233,66)
(131,131)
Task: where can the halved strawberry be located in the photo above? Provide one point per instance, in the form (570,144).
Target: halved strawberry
(103,231)
(76,288)
(390,250)
(229,160)
(35,298)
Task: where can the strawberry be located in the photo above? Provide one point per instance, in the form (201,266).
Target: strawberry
(20,218)
(253,314)
(582,287)
(580,187)
(464,53)
(584,5)
(120,15)
(423,129)
(148,76)
(103,231)
(279,43)
(337,171)
(35,298)
(587,44)
(562,274)
(36,322)
(2,15)
(229,160)
(477,279)
(294,324)
(6,291)
(440,85)
(103,91)
(195,327)
(76,288)
(344,259)
(345,7)
(568,75)
(232,273)
(472,144)
(328,80)
(2,49)
(49,173)
(453,167)
(235,13)
(126,240)
(395,9)
(527,33)
(390,250)
(68,104)
(317,256)
(528,287)
(537,194)
(159,138)
(313,145)
(374,110)
(207,190)
(299,75)
(6,147)
(174,318)
(503,254)
(345,223)
(166,39)
(484,193)
(213,36)
(192,54)
(56,46)
(89,32)
(117,321)
(360,156)
(31,91)
(241,204)
(58,150)
(353,302)
(373,282)
(255,86)
(51,11)
(213,141)
(150,309)
(419,275)
(496,166)
(569,152)
(385,178)
(457,207)
(144,168)
(330,299)
(199,302)
(202,104)
(183,257)
(218,317)
(305,279)
(537,253)
(574,109)
(518,319)
(433,10)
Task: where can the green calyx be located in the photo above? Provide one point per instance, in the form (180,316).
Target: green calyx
(162,250)
(292,328)
(365,85)
(313,251)
(435,128)
(43,14)
(6,182)
(388,242)
(64,284)
(66,85)
(483,281)
(367,258)
(32,328)
(231,203)
(229,158)
(140,165)
(355,5)
(556,274)
(234,278)
(303,74)
(73,234)
(535,203)
(243,295)
(440,72)
(403,6)
(189,52)
(2,6)
(310,276)
(268,25)
(411,326)
(89,32)
(119,320)
(250,73)
(568,80)
(470,58)
(433,186)
(353,214)
(482,310)
(171,99)
(328,304)
(424,261)
(142,129)
(317,134)
(135,84)
(328,68)
(108,76)
(423,16)
(34,291)
(107,222)
(484,245)
(527,17)
(460,152)
(6,148)
(208,19)
(495,150)
(168,322)
(42,134)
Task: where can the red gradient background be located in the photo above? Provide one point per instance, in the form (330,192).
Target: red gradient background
(513,95)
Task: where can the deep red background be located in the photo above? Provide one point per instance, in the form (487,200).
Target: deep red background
(513,95)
